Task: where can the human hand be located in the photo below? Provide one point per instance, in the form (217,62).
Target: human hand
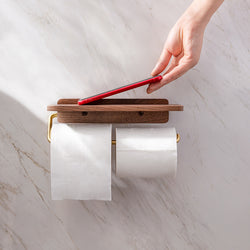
(183,44)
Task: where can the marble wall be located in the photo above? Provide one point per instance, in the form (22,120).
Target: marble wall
(51,49)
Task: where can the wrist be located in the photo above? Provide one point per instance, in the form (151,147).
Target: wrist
(200,11)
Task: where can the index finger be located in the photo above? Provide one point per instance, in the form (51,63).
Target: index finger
(162,62)
(175,73)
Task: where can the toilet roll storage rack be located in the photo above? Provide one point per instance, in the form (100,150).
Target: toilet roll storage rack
(112,111)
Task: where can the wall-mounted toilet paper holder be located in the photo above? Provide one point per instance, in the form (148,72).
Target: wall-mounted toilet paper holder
(112,111)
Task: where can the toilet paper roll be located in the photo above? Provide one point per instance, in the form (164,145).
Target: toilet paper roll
(146,152)
(81,161)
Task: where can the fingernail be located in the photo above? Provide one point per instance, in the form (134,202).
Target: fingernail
(152,89)
(149,91)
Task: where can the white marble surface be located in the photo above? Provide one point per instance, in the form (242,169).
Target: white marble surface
(51,49)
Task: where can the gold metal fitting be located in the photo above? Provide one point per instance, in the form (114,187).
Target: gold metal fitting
(177,139)
(51,117)
(50,123)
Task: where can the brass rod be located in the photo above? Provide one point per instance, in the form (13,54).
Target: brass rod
(51,117)
(177,139)
(50,122)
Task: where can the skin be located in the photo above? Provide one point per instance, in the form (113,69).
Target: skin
(182,49)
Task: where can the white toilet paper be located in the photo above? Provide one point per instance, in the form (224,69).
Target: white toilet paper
(146,152)
(81,161)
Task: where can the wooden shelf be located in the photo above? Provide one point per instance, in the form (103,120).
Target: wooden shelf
(114,111)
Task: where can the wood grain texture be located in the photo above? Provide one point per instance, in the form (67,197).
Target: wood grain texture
(114,111)
(113,117)
(67,105)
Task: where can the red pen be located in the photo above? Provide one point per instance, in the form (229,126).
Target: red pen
(119,90)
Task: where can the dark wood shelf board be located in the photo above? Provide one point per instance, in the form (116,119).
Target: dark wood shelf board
(114,111)
(70,105)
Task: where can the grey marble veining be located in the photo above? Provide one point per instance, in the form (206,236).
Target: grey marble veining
(54,49)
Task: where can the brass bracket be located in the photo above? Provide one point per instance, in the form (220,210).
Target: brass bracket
(177,139)
(50,123)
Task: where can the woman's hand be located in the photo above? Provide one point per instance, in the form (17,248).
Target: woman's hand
(183,44)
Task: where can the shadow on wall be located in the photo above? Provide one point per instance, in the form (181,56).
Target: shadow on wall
(25,191)
(28,136)
(24,148)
